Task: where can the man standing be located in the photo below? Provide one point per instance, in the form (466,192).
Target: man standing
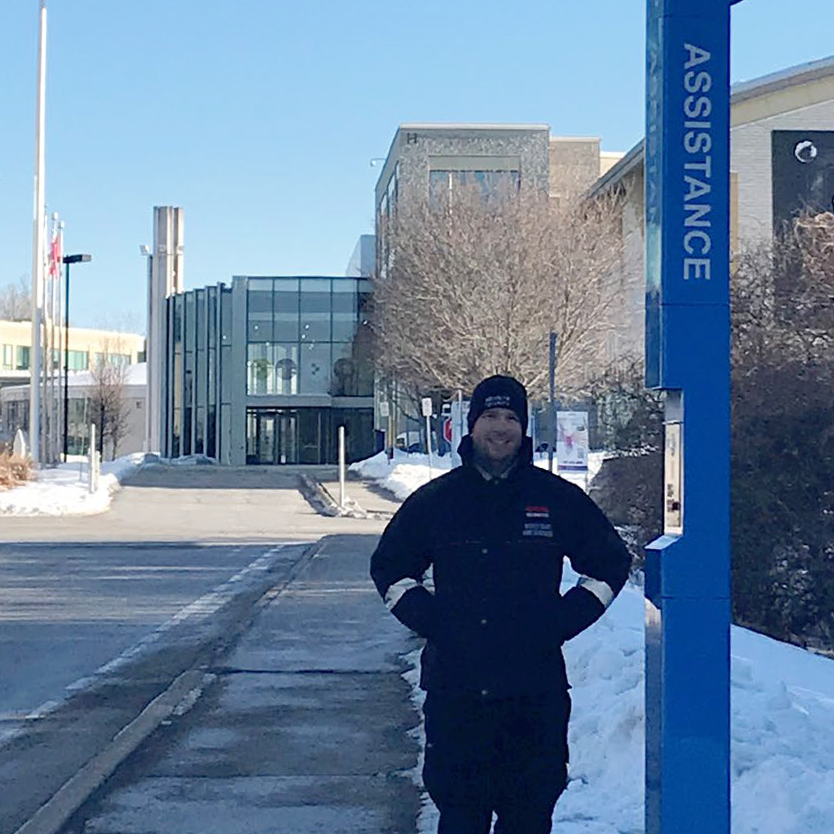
(494,533)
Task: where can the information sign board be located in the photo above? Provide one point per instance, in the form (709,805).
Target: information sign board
(572,441)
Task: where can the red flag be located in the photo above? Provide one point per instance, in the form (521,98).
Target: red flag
(55,254)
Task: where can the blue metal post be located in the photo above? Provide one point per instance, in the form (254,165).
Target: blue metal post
(687,356)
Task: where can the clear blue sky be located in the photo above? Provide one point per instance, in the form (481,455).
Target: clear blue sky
(260,117)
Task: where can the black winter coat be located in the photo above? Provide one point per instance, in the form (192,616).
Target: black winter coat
(495,620)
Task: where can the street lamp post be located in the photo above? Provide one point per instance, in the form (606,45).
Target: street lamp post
(68,259)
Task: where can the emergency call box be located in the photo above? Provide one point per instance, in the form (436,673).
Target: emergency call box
(673,479)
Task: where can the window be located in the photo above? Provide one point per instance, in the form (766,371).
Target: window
(21,358)
(315,368)
(190,321)
(315,310)
(285,311)
(319,351)
(226,317)
(259,369)
(200,302)
(344,310)
(272,369)
(344,371)
(259,315)
(212,317)
(444,184)
(285,363)
(392,192)
(199,431)
(178,311)
(79,360)
(8,357)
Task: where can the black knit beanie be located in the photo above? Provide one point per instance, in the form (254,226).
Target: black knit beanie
(499,392)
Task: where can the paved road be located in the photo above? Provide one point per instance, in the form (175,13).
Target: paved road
(66,611)
(307,729)
(99,614)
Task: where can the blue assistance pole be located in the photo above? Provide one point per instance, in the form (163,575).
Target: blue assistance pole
(688,357)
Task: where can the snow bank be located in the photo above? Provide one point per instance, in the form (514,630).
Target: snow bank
(782,760)
(63,490)
(406,473)
(782,701)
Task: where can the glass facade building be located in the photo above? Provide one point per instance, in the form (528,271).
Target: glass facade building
(265,371)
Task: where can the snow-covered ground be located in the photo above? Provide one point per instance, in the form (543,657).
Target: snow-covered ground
(407,472)
(64,490)
(782,697)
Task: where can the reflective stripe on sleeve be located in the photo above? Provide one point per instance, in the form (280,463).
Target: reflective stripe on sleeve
(395,592)
(601,590)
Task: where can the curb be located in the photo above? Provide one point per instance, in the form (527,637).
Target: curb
(180,696)
(317,496)
(55,813)
(320,499)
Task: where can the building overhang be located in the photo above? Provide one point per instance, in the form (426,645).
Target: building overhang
(764,97)
(306,401)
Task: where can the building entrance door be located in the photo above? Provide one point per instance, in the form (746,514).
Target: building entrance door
(272,436)
(265,438)
(310,435)
(286,447)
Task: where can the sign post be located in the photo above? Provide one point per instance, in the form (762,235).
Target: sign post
(687,356)
(427,408)
(551,419)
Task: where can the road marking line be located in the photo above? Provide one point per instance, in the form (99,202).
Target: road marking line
(201,608)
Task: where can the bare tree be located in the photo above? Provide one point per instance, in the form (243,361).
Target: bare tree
(783,433)
(474,284)
(109,407)
(783,296)
(16,301)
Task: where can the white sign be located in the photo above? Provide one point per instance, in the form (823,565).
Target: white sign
(572,441)
(384,410)
(427,406)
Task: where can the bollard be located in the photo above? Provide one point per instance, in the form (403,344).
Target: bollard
(341,467)
(92,457)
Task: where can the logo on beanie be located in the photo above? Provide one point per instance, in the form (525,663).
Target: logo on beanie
(497,401)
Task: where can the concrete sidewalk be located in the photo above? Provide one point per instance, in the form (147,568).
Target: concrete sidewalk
(306,728)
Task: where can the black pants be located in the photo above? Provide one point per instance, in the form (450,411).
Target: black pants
(507,756)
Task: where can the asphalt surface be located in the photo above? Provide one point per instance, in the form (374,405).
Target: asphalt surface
(113,626)
(67,610)
(41,750)
(305,729)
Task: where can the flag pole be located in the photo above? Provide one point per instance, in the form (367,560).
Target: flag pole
(58,343)
(38,249)
(52,284)
(46,388)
